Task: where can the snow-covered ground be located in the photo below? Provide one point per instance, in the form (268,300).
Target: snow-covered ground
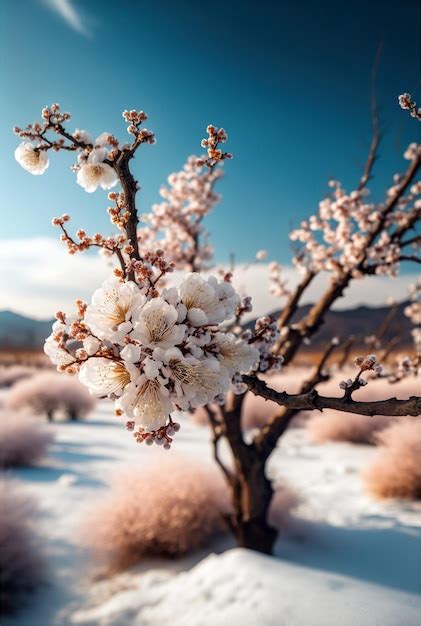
(346,559)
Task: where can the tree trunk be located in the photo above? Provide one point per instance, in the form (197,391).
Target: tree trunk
(252,497)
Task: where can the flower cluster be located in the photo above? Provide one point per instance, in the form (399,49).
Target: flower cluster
(175,224)
(154,353)
(407,103)
(278,285)
(365,364)
(264,337)
(350,235)
(95,166)
(215,137)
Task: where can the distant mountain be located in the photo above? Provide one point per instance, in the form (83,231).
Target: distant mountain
(360,322)
(18,331)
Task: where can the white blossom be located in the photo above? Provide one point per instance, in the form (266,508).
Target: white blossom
(94,173)
(104,377)
(108,316)
(157,325)
(32,160)
(57,354)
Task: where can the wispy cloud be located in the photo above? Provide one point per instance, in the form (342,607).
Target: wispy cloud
(66,10)
(39,277)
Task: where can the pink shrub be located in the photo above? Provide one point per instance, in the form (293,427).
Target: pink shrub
(21,562)
(14,373)
(169,508)
(49,393)
(23,440)
(337,426)
(396,470)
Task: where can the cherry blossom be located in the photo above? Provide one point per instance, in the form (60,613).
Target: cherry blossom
(32,159)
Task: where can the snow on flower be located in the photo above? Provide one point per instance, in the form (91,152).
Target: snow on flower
(31,159)
(94,173)
(154,352)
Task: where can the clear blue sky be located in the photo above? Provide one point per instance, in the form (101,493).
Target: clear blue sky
(289,80)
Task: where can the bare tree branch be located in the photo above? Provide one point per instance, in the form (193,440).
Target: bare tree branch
(313,401)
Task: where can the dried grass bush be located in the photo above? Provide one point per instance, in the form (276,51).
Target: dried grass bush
(395,472)
(50,393)
(167,509)
(338,426)
(21,561)
(171,507)
(14,373)
(23,440)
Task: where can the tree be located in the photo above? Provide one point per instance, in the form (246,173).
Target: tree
(153,349)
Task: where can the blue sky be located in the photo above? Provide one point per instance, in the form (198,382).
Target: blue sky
(290,81)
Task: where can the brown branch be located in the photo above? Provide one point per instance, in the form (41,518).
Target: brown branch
(386,322)
(218,433)
(346,351)
(313,401)
(315,317)
(266,439)
(410,242)
(291,306)
(372,155)
(388,349)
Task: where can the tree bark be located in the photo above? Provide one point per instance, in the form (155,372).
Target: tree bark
(252,497)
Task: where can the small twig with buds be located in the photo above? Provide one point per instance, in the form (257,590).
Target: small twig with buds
(407,103)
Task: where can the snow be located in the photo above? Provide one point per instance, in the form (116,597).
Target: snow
(243,587)
(346,559)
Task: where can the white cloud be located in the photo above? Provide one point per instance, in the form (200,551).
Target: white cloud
(38,277)
(66,10)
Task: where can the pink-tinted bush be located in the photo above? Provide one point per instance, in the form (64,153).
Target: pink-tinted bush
(21,562)
(23,440)
(168,508)
(14,373)
(338,426)
(50,393)
(396,470)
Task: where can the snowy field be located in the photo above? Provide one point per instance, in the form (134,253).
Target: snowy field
(346,559)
